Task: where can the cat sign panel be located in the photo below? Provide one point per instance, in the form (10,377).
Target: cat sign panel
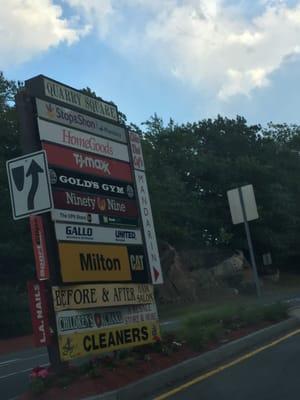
(29,184)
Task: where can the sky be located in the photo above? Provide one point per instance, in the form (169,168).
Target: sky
(182,59)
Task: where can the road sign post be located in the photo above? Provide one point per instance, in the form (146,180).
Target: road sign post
(252,257)
(243,209)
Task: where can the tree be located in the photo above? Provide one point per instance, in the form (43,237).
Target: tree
(16,260)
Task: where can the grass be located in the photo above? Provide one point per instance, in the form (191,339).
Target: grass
(203,327)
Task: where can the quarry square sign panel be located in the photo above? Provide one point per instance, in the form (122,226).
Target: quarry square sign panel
(46,88)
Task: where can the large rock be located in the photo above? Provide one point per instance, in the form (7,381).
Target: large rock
(191,275)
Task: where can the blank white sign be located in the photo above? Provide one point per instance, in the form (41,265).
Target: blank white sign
(236,207)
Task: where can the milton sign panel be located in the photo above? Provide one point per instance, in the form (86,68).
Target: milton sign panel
(82,183)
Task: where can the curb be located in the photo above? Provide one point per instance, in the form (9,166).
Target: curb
(179,372)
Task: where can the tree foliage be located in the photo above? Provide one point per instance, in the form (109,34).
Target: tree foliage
(190,167)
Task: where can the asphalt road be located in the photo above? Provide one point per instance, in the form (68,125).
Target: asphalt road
(15,369)
(273,374)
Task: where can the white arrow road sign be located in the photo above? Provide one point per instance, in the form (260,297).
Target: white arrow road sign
(29,185)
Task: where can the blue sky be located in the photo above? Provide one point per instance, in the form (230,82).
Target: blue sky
(184,59)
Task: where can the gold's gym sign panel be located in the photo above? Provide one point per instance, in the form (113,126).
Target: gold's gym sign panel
(46,88)
(72,180)
(107,263)
(100,295)
(107,340)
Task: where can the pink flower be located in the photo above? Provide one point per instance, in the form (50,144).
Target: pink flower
(39,372)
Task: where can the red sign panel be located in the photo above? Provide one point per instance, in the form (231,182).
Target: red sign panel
(39,313)
(39,247)
(87,162)
(136,150)
(69,200)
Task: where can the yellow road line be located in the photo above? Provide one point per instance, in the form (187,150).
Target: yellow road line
(225,366)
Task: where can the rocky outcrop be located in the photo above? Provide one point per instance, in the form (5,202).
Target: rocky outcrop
(190,274)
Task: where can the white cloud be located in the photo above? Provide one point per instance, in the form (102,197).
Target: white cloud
(29,27)
(204,43)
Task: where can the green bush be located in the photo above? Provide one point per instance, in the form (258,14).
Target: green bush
(275,312)
(200,335)
(201,328)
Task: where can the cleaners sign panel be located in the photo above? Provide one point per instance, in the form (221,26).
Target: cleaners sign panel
(107,340)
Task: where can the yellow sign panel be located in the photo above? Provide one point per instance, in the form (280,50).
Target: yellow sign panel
(84,344)
(92,263)
(91,296)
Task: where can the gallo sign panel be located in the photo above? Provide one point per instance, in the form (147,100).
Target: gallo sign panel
(99,295)
(85,233)
(107,340)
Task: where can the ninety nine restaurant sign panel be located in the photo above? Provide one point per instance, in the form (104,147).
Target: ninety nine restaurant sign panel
(87,163)
(75,119)
(111,339)
(42,86)
(85,233)
(99,295)
(108,263)
(72,180)
(69,200)
(70,321)
(82,141)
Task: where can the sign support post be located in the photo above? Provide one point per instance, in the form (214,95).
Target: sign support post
(252,257)
(29,142)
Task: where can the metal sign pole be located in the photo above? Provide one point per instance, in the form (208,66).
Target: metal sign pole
(253,263)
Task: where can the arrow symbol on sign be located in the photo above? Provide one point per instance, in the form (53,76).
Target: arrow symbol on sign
(156,274)
(33,170)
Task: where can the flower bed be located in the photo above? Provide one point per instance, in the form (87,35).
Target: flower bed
(112,372)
